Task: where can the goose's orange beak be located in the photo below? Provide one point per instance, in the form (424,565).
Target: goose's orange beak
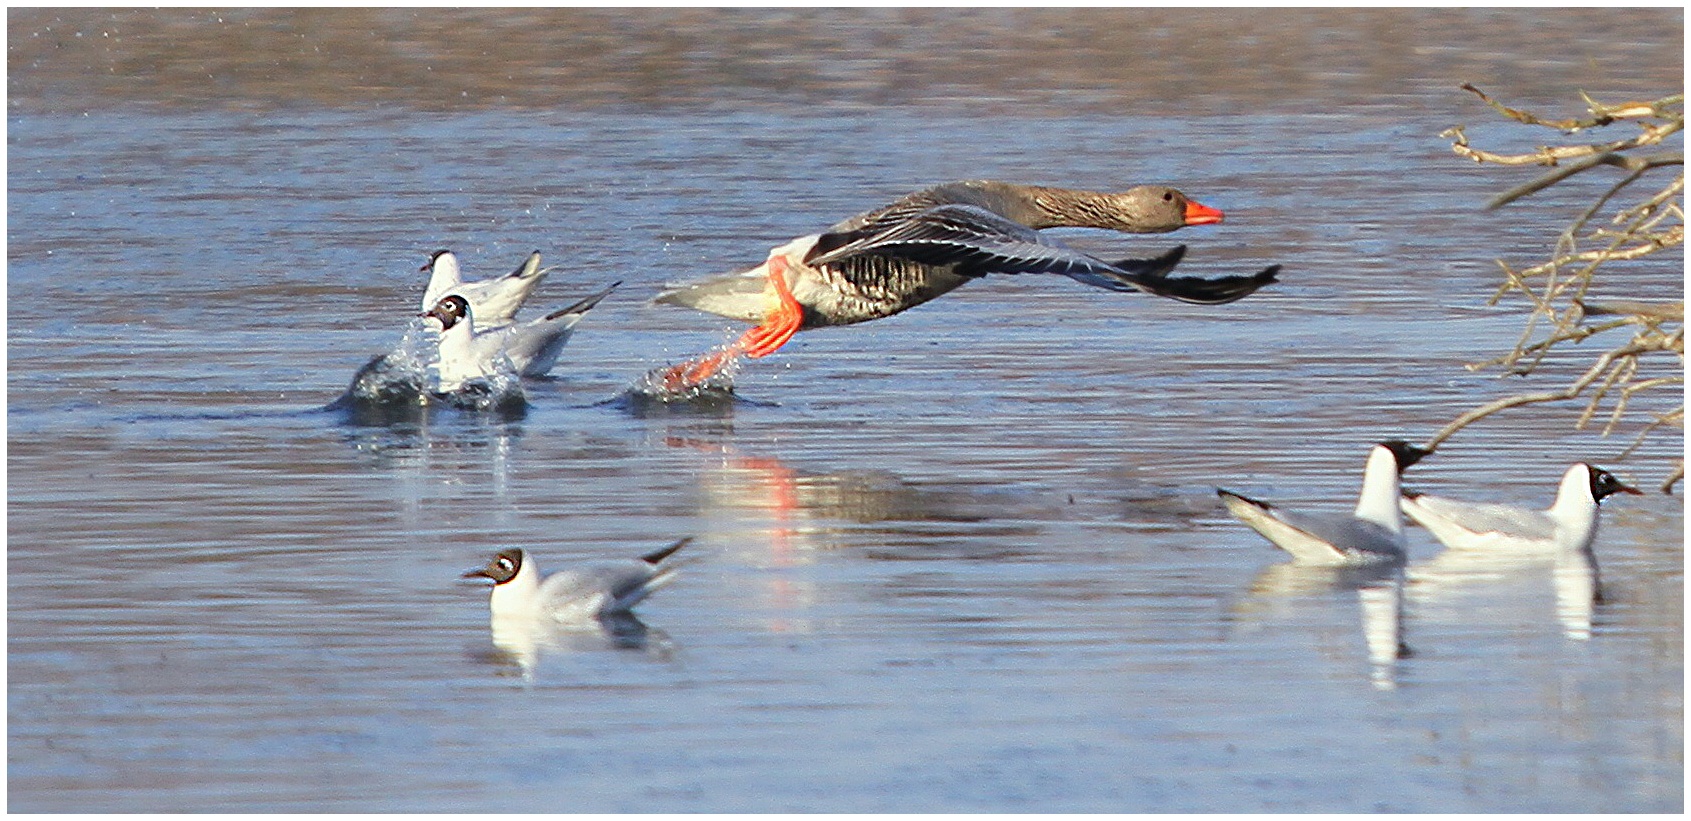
(1197,214)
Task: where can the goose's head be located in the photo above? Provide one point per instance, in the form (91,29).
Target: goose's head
(1158,208)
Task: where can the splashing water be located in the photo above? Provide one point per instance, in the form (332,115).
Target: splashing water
(408,377)
(671,383)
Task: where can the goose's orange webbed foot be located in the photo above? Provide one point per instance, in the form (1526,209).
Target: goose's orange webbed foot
(695,372)
(778,326)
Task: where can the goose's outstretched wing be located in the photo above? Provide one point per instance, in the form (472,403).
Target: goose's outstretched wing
(977,242)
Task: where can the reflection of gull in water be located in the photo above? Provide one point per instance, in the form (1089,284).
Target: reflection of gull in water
(428,455)
(523,642)
(1283,588)
(1449,577)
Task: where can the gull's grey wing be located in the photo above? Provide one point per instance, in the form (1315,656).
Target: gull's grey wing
(1483,517)
(1315,538)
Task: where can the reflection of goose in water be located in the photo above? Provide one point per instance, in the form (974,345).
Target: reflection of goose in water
(823,502)
(1280,590)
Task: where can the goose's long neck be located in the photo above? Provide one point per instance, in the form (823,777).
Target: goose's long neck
(1380,491)
(1038,206)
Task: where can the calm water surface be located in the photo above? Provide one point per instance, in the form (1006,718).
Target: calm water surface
(967,558)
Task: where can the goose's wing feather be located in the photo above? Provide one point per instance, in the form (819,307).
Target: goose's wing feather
(940,235)
(912,204)
(1154,267)
(976,242)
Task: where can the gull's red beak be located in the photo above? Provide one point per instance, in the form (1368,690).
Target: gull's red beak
(1197,214)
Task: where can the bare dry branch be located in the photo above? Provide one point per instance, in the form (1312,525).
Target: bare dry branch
(1556,290)
(1637,165)
(1601,114)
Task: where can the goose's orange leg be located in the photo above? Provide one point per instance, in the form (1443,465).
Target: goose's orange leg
(778,326)
(780,323)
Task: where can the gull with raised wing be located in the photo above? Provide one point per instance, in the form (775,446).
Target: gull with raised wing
(495,300)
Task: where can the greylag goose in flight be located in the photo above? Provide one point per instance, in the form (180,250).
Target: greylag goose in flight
(930,242)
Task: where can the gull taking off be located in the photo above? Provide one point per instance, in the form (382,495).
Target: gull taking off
(1373,533)
(467,352)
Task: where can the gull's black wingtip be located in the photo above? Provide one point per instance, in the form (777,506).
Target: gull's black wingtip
(657,556)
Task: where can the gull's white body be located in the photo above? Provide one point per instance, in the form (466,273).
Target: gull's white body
(585,591)
(1569,525)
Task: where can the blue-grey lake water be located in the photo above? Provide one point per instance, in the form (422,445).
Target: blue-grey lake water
(968,558)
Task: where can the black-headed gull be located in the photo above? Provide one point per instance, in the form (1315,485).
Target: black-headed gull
(530,348)
(1373,533)
(577,594)
(1569,525)
(496,300)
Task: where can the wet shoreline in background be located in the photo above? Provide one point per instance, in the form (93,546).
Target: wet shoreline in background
(1003,62)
